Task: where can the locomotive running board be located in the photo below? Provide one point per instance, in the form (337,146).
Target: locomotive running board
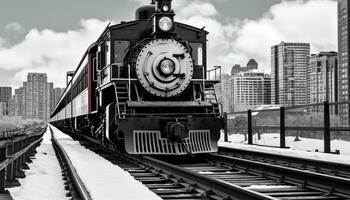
(169,103)
(151,142)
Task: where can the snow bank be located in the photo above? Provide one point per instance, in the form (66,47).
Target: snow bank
(102,179)
(43,180)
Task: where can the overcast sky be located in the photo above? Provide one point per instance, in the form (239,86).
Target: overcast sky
(51,36)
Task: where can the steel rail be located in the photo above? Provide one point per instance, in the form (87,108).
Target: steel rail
(218,186)
(316,180)
(176,181)
(229,190)
(316,164)
(79,185)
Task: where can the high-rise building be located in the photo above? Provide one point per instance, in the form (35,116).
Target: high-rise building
(36,99)
(289,73)
(5,96)
(252,64)
(267,89)
(55,97)
(223,93)
(322,77)
(244,88)
(249,90)
(37,96)
(11,107)
(344,58)
(3,108)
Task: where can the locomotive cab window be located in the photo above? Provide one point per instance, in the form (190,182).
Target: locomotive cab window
(107,53)
(197,53)
(120,49)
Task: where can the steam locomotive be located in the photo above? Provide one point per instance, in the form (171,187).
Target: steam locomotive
(144,86)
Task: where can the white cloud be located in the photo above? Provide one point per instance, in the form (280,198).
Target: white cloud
(233,41)
(291,21)
(229,41)
(14,27)
(198,9)
(49,51)
(2,42)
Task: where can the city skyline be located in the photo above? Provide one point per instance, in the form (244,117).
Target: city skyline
(35,99)
(232,39)
(295,55)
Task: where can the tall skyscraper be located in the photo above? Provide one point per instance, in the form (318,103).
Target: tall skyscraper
(36,99)
(37,96)
(246,88)
(224,93)
(55,97)
(288,73)
(344,58)
(250,90)
(19,100)
(5,96)
(322,80)
(252,64)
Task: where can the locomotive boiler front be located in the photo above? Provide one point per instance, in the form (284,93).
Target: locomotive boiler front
(164,67)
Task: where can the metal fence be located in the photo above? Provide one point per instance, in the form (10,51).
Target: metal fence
(11,133)
(321,120)
(14,152)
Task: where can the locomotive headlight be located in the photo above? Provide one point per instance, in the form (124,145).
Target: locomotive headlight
(165,8)
(167,67)
(165,23)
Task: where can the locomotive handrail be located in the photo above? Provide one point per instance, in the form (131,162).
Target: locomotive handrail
(129,84)
(117,102)
(203,80)
(215,69)
(167,114)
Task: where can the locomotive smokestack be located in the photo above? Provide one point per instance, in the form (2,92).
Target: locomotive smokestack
(144,12)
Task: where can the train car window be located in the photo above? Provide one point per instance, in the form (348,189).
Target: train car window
(103,56)
(94,69)
(120,49)
(107,54)
(99,64)
(197,53)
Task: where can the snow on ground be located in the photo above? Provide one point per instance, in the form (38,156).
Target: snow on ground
(102,179)
(305,148)
(271,187)
(43,179)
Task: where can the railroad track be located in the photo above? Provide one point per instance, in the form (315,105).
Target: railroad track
(217,176)
(317,166)
(165,185)
(73,183)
